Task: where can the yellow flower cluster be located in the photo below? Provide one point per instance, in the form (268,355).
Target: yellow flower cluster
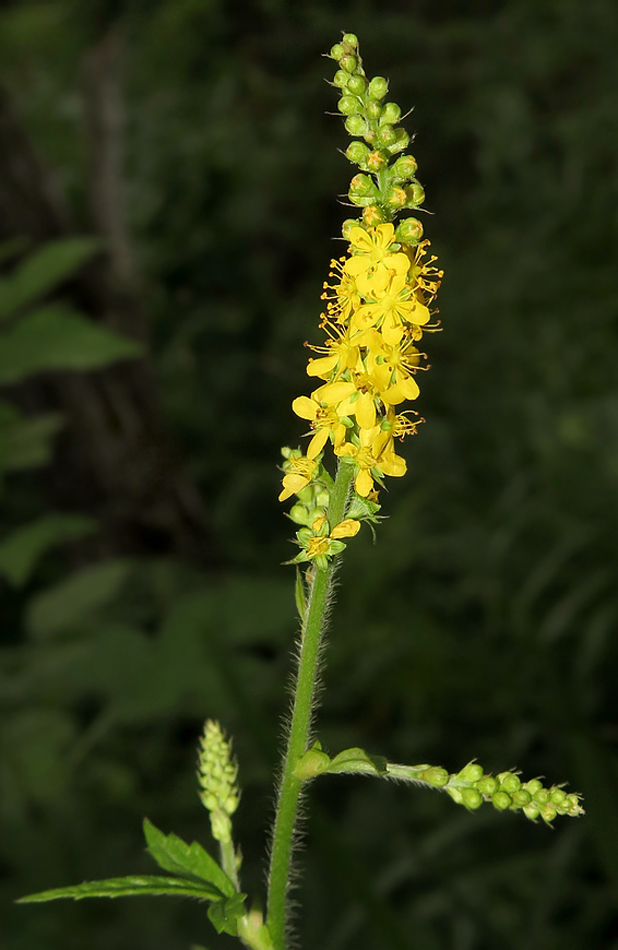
(377,309)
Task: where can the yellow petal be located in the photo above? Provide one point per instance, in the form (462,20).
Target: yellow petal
(317,443)
(392,330)
(384,234)
(365,411)
(322,367)
(304,407)
(346,528)
(392,464)
(332,393)
(364,482)
(360,239)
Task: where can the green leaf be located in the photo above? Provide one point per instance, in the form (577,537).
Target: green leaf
(26,442)
(224,914)
(57,338)
(20,550)
(153,885)
(76,598)
(173,854)
(357,760)
(43,270)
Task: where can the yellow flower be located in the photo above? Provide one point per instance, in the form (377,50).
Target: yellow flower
(352,398)
(393,305)
(393,368)
(372,260)
(343,297)
(342,353)
(299,472)
(372,454)
(324,420)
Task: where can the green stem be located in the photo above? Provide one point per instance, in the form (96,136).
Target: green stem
(302,708)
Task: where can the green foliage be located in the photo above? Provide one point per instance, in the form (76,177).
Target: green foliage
(42,271)
(224,914)
(172,854)
(147,886)
(54,338)
(76,598)
(21,550)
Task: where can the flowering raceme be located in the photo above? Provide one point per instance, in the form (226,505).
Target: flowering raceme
(378,303)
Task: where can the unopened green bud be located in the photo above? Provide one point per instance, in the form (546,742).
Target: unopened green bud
(386,135)
(357,85)
(356,125)
(487,785)
(532,811)
(373,110)
(375,161)
(378,87)
(336,51)
(557,795)
(350,39)
(509,782)
(373,216)
(435,776)
(300,514)
(391,113)
(349,63)
(501,801)
(322,499)
(471,772)
(410,231)
(341,78)
(573,801)
(395,197)
(349,105)
(541,797)
(521,798)
(346,227)
(404,168)
(533,785)
(471,798)
(363,190)
(415,194)
(357,152)
(402,140)
(548,813)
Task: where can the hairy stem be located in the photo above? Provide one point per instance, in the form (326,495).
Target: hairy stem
(289,791)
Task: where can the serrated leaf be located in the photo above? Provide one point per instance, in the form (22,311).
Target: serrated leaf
(43,270)
(57,338)
(224,914)
(76,598)
(154,885)
(20,550)
(357,760)
(173,854)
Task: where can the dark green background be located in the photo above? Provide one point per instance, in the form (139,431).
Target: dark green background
(482,622)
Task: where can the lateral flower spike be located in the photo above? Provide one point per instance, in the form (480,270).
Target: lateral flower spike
(217,776)
(378,305)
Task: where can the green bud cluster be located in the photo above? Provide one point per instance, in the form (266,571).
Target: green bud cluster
(471,787)
(217,775)
(386,185)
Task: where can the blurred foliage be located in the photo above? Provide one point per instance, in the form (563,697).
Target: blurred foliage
(482,623)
